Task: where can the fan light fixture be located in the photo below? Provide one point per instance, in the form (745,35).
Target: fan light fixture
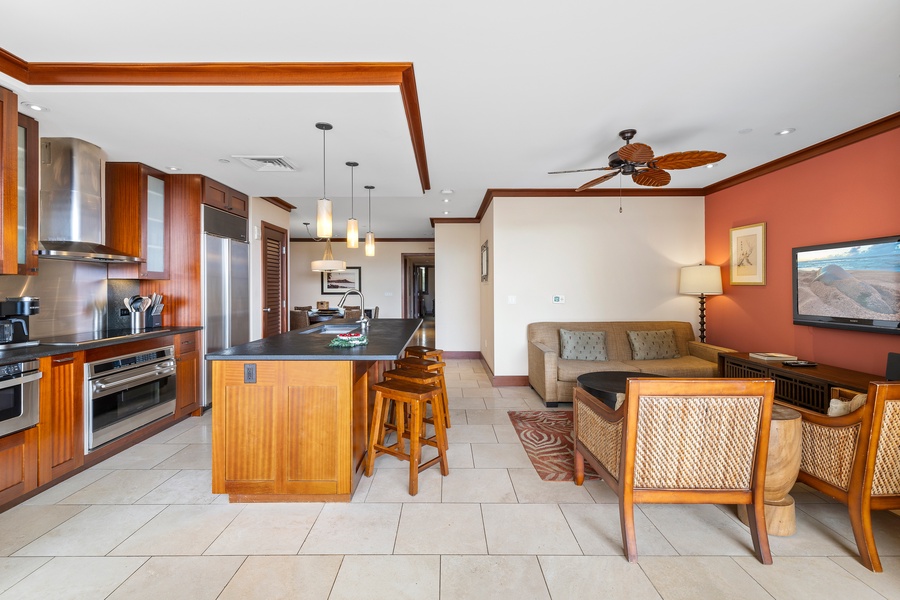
(352,223)
(370,237)
(323,206)
(328,264)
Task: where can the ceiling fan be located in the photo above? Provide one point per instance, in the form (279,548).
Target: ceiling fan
(638,161)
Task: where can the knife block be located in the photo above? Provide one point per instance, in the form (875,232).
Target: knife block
(152,321)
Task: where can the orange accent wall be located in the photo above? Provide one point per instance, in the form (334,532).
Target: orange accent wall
(848,194)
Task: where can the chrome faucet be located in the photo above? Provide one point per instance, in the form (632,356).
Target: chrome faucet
(363,319)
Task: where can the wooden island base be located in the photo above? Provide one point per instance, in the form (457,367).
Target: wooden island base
(296,434)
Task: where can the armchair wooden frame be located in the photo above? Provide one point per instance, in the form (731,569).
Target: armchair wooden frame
(855,459)
(681,441)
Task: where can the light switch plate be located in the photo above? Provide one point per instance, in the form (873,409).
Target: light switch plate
(510,299)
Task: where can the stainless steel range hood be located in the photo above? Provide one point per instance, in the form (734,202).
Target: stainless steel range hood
(71,221)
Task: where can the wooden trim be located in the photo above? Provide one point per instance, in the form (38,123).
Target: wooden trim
(400,74)
(201,73)
(276,201)
(839,141)
(414,118)
(13,66)
(380,240)
(510,381)
(444,221)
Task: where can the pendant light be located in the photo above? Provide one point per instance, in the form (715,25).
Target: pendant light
(370,237)
(352,223)
(328,264)
(323,206)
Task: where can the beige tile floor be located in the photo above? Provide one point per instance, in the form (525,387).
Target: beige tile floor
(144,524)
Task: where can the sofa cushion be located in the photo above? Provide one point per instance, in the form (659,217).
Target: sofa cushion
(686,366)
(582,345)
(839,408)
(648,345)
(569,370)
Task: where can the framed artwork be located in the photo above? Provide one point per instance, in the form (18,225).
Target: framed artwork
(484,261)
(748,255)
(338,282)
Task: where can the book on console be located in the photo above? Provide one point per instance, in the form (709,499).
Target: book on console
(772,356)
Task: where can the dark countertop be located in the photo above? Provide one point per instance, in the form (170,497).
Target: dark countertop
(61,344)
(387,339)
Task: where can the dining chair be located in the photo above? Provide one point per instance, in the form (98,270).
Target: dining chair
(680,441)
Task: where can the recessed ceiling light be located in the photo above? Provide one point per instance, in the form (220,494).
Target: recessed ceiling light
(173,168)
(745,130)
(446,212)
(786,131)
(446,199)
(224,161)
(35,107)
(447,191)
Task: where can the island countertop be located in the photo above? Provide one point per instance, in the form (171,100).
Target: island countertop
(387,339)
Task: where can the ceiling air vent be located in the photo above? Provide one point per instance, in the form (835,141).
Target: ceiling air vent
(267,163)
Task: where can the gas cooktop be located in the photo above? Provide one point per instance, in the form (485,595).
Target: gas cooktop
(88,337)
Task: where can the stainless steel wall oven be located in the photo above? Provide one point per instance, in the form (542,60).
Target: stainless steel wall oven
(125,393)
(20,395)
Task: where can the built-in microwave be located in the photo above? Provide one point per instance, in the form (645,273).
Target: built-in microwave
(20,394)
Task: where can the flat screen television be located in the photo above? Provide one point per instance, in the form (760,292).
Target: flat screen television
(849,285)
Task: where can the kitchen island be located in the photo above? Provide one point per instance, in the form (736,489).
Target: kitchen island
(290,413)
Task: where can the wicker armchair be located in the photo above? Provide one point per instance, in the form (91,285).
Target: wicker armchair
(855,459)
(680,441)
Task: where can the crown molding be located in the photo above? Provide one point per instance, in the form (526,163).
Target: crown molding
(275,200)
(377,241)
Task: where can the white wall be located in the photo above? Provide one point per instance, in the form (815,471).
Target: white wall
(486,334)
(260,210)
(609,266)
(381,275)
(457,255)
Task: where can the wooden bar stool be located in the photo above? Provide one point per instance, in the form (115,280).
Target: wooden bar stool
(431,366)
(423,378)
(424,352)
(415,396)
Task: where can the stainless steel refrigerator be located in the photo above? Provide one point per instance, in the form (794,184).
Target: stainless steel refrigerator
(226,287)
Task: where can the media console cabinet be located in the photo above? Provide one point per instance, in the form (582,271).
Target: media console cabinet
(808,387)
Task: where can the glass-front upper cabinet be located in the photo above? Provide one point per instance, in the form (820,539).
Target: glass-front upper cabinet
(28,196)
(156,225)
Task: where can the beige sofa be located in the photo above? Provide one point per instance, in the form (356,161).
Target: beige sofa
(554,378)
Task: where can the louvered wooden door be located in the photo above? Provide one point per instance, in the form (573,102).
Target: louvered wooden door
(274,269)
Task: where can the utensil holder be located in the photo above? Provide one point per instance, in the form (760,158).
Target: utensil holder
(137,321)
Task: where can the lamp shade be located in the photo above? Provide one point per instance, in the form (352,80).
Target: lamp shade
(370,244)
(323,218)
(352,233)
(697,280)
(328,263)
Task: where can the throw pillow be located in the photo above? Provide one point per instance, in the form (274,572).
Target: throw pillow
(839,408)
(648,345)
(582,345)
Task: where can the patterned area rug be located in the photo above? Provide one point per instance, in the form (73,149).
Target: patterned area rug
(547,436)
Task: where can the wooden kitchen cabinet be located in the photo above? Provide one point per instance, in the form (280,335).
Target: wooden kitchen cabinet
(224,198)
(61,428)
(138,216)
(187,374)
(18,464)
(28,196)
(9,176)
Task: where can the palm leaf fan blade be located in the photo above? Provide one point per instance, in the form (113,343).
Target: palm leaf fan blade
(597,181)
(636,153)
(687,160)
(652,177)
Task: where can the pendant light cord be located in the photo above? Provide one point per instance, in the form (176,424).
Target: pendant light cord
(324,195)
(370,212)
(351,192)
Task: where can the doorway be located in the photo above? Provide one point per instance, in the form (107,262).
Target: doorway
(418,286)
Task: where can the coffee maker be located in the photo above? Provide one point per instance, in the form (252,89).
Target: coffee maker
(14,313)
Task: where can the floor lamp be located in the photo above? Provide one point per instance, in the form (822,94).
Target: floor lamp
(703,281)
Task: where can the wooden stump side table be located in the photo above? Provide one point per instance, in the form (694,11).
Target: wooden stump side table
(782,468)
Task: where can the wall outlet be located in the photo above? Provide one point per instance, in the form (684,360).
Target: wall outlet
(510,299)
(559,299)
(250,373)
(123,312)
(389,294)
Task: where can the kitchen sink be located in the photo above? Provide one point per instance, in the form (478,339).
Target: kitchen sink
(331,329)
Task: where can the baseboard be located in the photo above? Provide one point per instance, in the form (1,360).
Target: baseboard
(472,355)
(503,380)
